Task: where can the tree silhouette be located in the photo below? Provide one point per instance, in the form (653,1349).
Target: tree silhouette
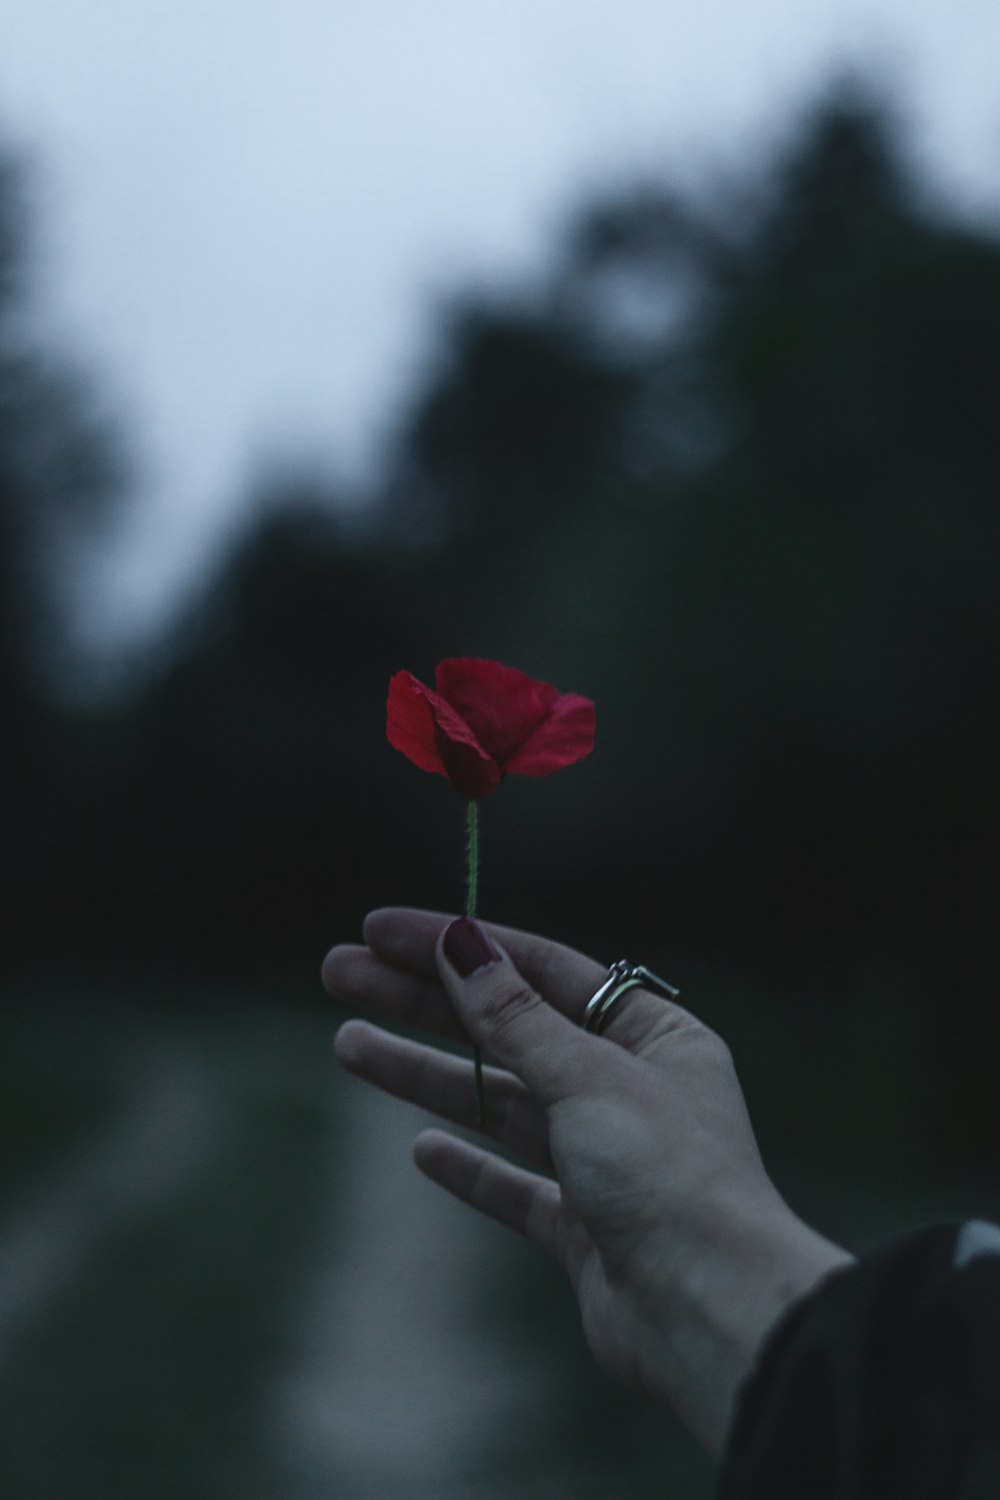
(250,827)
(732,472)
(60,476)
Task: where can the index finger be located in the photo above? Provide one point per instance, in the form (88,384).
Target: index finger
(396,975)
(407,937)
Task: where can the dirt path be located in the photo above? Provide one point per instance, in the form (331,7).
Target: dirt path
(169,1126)
(394,1389)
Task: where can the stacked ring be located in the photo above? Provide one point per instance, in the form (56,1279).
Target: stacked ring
(622,976)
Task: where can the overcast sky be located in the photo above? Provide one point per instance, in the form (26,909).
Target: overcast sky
(248,211)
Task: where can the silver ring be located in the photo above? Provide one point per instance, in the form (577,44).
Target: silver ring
(622,976)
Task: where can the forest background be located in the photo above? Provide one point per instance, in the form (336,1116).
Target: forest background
(731,471)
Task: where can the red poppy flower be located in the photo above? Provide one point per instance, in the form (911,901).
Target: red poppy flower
(483,721)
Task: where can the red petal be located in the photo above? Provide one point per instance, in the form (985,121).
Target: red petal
(409,722)
(502,706)
(566,736)
(427,730)
(469,768)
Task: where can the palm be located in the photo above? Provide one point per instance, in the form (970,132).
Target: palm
(638,1149)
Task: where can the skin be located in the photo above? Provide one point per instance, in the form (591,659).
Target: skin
(642,1176)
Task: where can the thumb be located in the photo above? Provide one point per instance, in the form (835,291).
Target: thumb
(510,1020)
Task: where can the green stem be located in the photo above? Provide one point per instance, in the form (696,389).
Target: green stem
(471,898)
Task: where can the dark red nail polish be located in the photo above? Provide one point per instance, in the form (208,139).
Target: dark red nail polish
(468,948)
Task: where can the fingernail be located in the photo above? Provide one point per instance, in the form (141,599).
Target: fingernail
(468,948)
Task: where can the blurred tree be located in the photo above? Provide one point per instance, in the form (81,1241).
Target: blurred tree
(754,512)
(733,473)
(825,594)
(60,477)
(521,426)
(812,737)
(250,826)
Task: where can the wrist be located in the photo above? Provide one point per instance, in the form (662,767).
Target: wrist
(727,1294)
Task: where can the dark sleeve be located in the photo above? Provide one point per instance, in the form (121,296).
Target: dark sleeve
(884,1384)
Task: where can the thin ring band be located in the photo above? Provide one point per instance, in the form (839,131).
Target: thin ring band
(622,977)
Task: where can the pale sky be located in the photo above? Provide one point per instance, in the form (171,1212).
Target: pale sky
(248,212)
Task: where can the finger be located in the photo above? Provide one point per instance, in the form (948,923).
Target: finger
(523,1201)
(362,978)
(511,1021)
(407,938)
(396,978)
(445,1085)
(640,1022)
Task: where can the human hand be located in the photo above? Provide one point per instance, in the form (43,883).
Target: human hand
(644,1180)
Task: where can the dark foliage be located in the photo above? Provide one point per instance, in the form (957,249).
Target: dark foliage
(757,523)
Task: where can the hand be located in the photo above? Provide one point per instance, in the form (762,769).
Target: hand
(645,1181)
